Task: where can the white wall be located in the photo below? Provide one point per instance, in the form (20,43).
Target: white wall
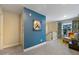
(51,27)
(11,29)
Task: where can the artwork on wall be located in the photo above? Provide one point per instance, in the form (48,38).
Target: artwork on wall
(36,25)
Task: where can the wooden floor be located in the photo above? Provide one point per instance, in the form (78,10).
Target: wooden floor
(53,47)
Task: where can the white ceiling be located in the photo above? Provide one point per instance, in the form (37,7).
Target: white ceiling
(53,12)
(56,12)
(17,8)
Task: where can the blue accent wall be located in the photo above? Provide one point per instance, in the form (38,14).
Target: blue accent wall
(32,37)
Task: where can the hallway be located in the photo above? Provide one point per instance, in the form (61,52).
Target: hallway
(53,47)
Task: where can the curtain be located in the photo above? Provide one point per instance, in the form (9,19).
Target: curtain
(59,30)
(75,27)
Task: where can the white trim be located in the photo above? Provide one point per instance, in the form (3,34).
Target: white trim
(27,49)
(1,25)
(11,45)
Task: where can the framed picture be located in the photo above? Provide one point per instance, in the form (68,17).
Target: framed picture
(36,25)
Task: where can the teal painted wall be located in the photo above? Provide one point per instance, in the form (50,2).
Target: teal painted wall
(32,37)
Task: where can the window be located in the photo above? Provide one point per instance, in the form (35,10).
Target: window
(66,28)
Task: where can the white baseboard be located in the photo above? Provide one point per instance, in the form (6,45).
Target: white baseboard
(11,45)
(27,49)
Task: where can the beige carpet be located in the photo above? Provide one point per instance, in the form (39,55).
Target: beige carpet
(54,47)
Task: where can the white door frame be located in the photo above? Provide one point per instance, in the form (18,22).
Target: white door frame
(1,29)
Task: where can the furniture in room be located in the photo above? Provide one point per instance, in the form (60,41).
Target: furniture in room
(74,44)
(70,37)
(66,39)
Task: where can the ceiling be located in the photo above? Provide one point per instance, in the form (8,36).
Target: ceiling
(53,12)
(56,12)
(17,8)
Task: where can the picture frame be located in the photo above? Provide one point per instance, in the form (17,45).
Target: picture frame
(36,25)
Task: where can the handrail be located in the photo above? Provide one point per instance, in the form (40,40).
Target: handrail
(49,34)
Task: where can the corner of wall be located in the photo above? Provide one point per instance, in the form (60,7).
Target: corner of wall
(1,28)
